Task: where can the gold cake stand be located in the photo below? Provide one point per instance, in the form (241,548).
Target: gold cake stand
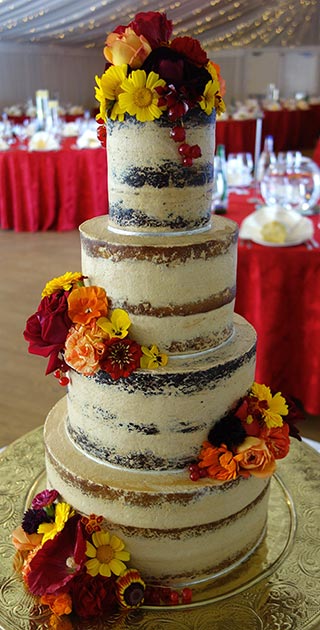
(277,588)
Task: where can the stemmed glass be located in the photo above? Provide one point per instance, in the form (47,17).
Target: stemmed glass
(293,183)
(239,169)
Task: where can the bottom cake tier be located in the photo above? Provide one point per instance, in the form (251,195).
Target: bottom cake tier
(177,531)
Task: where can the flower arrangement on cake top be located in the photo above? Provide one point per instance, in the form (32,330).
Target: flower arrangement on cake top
(75,327)
(148,75)
(249,439)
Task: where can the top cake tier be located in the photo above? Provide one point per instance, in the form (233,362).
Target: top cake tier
(150,190)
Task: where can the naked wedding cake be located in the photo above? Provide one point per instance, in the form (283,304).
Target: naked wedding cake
(160,456)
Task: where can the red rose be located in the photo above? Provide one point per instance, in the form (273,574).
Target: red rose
(102,135)
(154,26)
(191,49)
(93,596)
(47,329)
(277,440)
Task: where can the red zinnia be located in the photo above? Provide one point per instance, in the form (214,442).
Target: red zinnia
(121,357)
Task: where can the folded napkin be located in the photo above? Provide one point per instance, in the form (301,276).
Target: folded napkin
(70,130)
(43,141)
(3,145)
(88,140)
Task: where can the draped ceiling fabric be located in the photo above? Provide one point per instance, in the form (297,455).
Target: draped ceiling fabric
(219,24)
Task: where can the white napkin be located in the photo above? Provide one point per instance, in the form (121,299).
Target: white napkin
(43,141)
(88,140)
(70,130)
(3,145)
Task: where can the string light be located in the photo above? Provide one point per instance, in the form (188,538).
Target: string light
(218,24)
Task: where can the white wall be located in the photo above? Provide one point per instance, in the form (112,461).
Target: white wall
(69,73)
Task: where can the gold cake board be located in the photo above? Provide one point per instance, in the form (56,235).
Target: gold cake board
(275,589)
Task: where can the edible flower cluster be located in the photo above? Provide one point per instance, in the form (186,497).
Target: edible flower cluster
(74,326)
(148,75)
(249,439)
(72,564)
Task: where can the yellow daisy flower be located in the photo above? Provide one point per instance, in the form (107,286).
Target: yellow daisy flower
(62,283)
(109,88)
(117,325)
(208,98)
(139,97)
(63,512)
(276,405)
(107,555)
(152,358)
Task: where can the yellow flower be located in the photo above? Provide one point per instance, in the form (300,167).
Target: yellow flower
(108,90)
(139,97)
(208,98)
(276,405)
(63,512)
(152,358)
(62,283)
(117,325)
(106,555)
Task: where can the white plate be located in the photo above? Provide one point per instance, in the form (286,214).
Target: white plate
(299,228)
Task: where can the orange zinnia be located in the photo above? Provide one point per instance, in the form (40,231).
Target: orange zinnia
(87,303)
(60,604)
(219,461)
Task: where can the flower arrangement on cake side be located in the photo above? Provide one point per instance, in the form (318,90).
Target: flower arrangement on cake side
(76,568)
(75,327)
(249,439)
(149,76)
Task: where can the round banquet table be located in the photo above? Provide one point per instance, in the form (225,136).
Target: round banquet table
(276,589)
(51,190)
(278,293)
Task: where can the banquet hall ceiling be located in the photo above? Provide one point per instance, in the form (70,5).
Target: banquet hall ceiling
(218,24)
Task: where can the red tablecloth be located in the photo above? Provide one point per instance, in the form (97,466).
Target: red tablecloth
(278,293)
(51,190)
(291,130)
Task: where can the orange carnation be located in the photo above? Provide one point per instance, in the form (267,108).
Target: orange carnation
(84,347)
(24,541)
(256,458)
(87,303)
(60,604)
(219,462)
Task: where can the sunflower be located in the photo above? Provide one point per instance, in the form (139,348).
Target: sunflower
(107,555)
(140,97)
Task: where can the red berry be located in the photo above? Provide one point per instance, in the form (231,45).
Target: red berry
(57,373)
(194,476)
(193,467)
(178,134)
(64,380)
(202,472)
(195,151)
(187,161)
(184,149)
(174,598)
(186,595)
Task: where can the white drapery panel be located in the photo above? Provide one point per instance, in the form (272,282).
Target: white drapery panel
(218,24)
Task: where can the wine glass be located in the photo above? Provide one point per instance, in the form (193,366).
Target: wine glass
(239,169)
(293,183)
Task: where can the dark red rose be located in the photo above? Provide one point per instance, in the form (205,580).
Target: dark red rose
(93,596)
(191,49)
(47,329)
(121,357)
(154,26)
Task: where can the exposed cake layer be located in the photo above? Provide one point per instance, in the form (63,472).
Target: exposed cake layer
(179,291)
(176,529)
(148,187)
(158,419)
